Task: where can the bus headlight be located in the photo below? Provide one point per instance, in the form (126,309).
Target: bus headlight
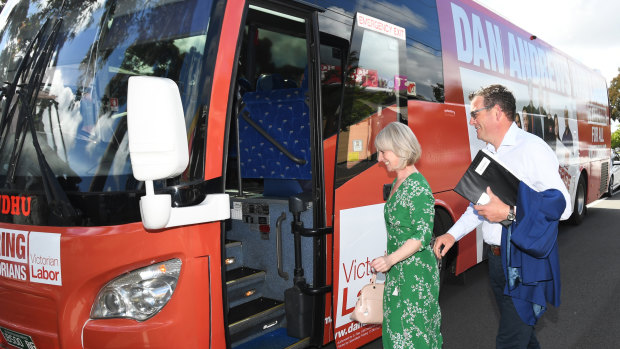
(138,295)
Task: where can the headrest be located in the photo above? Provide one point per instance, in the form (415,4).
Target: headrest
(268,82)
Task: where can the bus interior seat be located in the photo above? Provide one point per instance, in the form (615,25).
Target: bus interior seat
(288,83)
(269,82)
(283,113)
(275,81)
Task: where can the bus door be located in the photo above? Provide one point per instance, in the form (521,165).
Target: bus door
(273,177)
(374,96)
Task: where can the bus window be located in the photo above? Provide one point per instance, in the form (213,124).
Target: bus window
(420,20)
(424,60)
(333,51)
(374,94)
(426,73)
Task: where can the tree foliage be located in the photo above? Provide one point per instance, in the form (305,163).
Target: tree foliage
(614,97)
(615,139)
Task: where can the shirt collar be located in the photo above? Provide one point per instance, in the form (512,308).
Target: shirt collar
(510,138)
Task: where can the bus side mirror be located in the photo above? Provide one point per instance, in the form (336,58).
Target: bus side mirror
(158,150)
(157,141)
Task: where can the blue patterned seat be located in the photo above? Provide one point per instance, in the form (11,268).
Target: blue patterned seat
(284,115)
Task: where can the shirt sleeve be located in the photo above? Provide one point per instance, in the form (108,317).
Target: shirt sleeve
(543,162)
(468,222)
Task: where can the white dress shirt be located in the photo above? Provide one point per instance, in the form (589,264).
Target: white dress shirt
(534,163)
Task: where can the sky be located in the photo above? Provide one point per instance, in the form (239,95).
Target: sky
(587,30)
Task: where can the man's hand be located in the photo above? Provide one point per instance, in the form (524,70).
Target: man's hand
(443,244)
(495,211)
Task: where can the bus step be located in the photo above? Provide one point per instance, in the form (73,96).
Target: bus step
(255,318)
(243,285)
(275,339)
(243,274)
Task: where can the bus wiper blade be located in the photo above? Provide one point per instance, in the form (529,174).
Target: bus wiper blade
(33,73)
(57,198)
(10,88)
(26,73)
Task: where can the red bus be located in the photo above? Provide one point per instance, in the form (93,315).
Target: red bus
(200,173)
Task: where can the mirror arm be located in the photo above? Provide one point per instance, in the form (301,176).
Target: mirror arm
(215,207)
(154,208)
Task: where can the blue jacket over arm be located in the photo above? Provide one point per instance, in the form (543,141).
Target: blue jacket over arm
(530,252)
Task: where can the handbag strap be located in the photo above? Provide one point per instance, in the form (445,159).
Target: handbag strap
(373,279)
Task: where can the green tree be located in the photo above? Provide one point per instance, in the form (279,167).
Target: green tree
(614,97)
(615,139)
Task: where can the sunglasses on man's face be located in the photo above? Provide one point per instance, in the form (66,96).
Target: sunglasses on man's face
(474,113)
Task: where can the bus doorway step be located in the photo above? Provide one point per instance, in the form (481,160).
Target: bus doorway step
(275,339)
(255,318)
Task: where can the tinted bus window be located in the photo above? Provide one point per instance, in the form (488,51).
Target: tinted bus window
(333,51)
(424,59)
(425,69)
(375,93)
(421,22)
(280,53)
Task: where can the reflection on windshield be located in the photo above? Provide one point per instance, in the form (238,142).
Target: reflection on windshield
(80,109)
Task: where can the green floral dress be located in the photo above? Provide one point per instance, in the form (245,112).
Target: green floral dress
(411,315)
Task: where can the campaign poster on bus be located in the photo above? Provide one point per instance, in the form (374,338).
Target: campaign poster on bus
(556,99)
(363,237)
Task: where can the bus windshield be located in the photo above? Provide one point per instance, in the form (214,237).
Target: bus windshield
(65,66)
(78,109)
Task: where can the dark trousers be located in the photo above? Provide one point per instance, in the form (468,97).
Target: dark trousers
(512,332)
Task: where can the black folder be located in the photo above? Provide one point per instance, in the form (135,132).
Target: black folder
(486,171)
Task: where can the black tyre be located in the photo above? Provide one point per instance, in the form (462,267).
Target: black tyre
(610,187)
(579,207)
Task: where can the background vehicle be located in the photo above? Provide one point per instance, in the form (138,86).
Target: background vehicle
(614,177)
(265,236)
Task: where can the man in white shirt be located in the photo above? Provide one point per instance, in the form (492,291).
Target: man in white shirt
(534,163)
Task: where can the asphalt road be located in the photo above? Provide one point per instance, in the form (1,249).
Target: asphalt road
(589,316)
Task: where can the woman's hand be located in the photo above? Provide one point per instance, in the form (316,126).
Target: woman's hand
(384,263)
(381,264)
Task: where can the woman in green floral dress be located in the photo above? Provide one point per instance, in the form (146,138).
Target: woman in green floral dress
(411,315)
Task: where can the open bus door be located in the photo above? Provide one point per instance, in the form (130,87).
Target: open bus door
(274,258)
(374,96)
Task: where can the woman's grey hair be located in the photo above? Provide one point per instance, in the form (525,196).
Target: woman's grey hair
(399,138)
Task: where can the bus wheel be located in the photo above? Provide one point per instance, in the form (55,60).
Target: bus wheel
(579,208)
(447,265)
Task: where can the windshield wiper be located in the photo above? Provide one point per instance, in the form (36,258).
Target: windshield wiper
(10,88)
(31,72)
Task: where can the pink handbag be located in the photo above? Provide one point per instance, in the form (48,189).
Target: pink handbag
(369,306)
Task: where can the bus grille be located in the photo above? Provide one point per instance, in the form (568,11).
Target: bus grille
(604,177)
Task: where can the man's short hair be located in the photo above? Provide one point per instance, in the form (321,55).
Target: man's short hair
(500,95)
